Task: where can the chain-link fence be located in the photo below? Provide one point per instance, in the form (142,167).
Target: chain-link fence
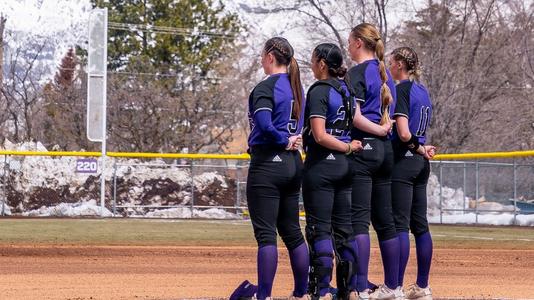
(470,189)
(491,190)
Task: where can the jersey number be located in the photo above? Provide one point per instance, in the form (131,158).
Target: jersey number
(423,121)
(292,124)
(339,119)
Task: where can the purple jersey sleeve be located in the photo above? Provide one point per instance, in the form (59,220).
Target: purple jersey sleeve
(263,121)
(367,74)
(274,96)
(413,102)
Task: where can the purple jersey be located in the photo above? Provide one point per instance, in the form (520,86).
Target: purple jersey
(366,84)
(273,94)
(325,102)
(413,102)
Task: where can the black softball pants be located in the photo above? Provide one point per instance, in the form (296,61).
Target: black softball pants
(273,189)
(326,190)
(408,185)
(371,188)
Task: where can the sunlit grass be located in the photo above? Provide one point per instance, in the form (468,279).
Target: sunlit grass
(218,233)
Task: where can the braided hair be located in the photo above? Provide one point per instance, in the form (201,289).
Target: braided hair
(409,57)
(284,55)
(373,41)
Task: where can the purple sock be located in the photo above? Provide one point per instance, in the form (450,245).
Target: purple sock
(267,263)
(300,264)
(351,255)
(423,246)
(363,244)
(325,246)
(404,247)
(389,249)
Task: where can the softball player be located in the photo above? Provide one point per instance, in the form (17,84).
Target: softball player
(274,178)
(412,168)
(327,177)
(371,188)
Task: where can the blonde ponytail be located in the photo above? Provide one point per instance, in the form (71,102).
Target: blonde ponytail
(385,93)
(372,40)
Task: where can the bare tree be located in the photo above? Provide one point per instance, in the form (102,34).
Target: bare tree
(61,120)
(200,114)
(325,21)
(472,70)
(2,26)
(21,91)
(3,113)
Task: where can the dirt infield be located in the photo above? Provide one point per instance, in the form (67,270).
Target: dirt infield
(177,272)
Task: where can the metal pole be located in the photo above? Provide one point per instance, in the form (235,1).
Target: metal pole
(192,188)
(104,123)
(465,184)
(476,191)
(440,192)
(114,186)
(238,194)
(4,199)
(515,191)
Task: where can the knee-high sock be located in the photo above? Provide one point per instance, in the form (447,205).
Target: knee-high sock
(363,244)
(325,246)
(389,249)
(267,263)
(351,254)
(300,264)
(404,249)
(423,246)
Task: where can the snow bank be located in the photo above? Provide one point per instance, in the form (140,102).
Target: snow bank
(490,213)
(43,185)
(451,198)
(494,219)
(185,213)
(78,209)
(7,210)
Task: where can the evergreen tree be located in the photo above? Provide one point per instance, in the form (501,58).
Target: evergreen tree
(172,35)
(65,74)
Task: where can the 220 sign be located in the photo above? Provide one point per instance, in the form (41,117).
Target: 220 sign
(86,165)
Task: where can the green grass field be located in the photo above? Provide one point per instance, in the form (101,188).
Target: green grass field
(217,233)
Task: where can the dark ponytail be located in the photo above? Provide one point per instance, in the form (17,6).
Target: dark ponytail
(296,87)
(333,58)
(284,55)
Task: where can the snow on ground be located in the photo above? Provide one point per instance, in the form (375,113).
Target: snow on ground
(494,219)
(41,171)
(455,199)
(53,173)
(28,174)
(78,209)
(185,213)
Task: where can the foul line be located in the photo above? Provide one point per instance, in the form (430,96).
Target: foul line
(482,238)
